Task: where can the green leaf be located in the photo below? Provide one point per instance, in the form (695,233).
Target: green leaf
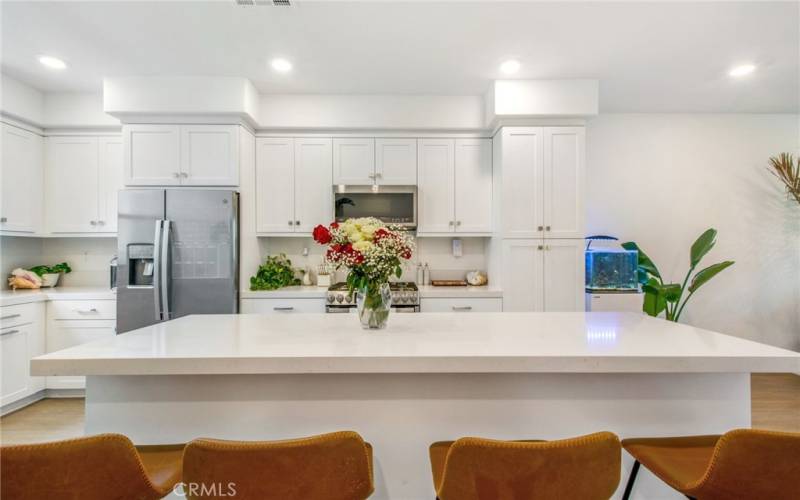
(671,292)
(703,276)
(654,302)
(702,246)
(398,272)
(646,265)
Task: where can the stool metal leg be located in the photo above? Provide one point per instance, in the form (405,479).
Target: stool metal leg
(631,480)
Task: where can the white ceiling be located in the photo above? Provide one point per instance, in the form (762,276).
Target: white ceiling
(668,56)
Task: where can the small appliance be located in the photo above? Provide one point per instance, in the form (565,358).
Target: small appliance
(396,205)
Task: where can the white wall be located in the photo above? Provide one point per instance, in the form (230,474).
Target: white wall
(21,100)
(18,252)
(371,111)
(661,179)
(74,109)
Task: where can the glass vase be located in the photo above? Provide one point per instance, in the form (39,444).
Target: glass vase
(374,303)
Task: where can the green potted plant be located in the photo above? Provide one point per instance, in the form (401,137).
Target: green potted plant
(276,272)
(51,274)
(671,298)
(787,171)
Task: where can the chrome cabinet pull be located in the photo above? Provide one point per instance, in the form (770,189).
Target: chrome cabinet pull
(462,308)
(297,223)
(540,228)
(8,332)
(10,316)
(540,247)
(458,223)
(287,308)
(93,222)
(177,175)
(184,175)
(101,222)
(546,228)
(452,223)
(86,311)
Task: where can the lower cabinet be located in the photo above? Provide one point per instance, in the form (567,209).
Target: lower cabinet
(543,275)
(66,327)
(467,304)
(21,338)
(282,306)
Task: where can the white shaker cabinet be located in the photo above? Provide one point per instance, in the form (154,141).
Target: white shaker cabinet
(542,172)
(396,162)
(543,275)
(294,187)
(454,186)
(354,161)
(21,181)
(82,177)
(21,339)
(181,155)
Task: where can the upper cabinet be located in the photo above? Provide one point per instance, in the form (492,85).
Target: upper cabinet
(82,177)
(294,185)
(20,181)
(542,171)
(364,161)
(454,186)
(181,155)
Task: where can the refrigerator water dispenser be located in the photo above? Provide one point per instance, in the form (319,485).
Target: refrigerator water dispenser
(140,265)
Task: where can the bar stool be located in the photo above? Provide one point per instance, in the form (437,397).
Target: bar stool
(335,466)
(586,467)
(741,464)
(90,468)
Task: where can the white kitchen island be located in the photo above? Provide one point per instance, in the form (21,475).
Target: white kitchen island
(427,377)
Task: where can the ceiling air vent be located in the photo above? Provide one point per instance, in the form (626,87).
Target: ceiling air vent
(281,3)
(250,3)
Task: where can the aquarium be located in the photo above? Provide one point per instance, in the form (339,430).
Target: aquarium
(611,270)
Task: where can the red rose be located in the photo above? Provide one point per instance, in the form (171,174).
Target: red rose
(380,234)
(322,235)
(334,225)
(358,258)
(406,253)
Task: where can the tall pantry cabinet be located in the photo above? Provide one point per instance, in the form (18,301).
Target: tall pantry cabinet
(540,177)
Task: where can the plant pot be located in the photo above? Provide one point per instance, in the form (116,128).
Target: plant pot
(49,280)
(374,303)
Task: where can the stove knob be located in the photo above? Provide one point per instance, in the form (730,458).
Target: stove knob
(339,298)
(348,298)
(331,299)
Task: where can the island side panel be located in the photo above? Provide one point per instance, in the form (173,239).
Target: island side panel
(401,414)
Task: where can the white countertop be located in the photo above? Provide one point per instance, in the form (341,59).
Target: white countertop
(425,291)
(14,297)
(417,343)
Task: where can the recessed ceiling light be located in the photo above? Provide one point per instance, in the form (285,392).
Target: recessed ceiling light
(510,67)
(281,65)
(743,70)
(52,62)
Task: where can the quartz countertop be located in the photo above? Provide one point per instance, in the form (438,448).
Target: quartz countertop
(418,343)
(425,291)
(14,297)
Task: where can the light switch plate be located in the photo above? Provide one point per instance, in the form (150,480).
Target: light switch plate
(457,250)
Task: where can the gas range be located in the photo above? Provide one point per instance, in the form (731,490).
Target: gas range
(405,297)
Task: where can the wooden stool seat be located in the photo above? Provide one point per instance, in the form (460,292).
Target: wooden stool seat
(586,467)
(742,464)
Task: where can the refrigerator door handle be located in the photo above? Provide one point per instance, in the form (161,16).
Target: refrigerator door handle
(165,270)
(157,271)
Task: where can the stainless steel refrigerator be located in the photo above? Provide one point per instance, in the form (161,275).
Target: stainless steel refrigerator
(178,255)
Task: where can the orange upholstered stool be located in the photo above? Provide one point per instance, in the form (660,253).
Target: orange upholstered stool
(586,468)
(741,464)
(335,466)
(101,467)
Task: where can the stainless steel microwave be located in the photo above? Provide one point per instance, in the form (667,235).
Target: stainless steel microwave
(391,204)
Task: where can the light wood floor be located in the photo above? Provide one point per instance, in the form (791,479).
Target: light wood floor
(775,400)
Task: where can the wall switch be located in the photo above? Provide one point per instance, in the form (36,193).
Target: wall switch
(457,250)
(305,251)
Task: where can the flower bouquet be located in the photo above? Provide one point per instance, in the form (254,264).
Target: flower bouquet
(372,252)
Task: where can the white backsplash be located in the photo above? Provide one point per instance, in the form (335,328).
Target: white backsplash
(436,252)
(88,257)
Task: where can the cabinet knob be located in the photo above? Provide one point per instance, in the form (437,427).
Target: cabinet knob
(101,222)
(290,223)
(540,228)
(458,223)
(177,175)
(93,222)
(540,247)
(297,223)
(379,175)
(452,223)
(546,228)
(3,219)
(184,175)
(371,176)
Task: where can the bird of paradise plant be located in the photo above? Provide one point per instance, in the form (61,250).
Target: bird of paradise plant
(787,171)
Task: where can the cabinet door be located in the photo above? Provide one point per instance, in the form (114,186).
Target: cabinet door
(313,185)
(435,185)
(152,155)
(71,177)
(274,185)
(21,181)
(396,162)
(522,177)
(210,155)
(523,262)
(564,177)
(473,186)
(564,275)
(14,378)
(64,334)
(110,181)
(354,161)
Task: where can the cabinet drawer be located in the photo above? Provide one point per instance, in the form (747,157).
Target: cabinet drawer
(69,333)
(82,309)
(462,305)
(269,306)
(14,363)
(17,315)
